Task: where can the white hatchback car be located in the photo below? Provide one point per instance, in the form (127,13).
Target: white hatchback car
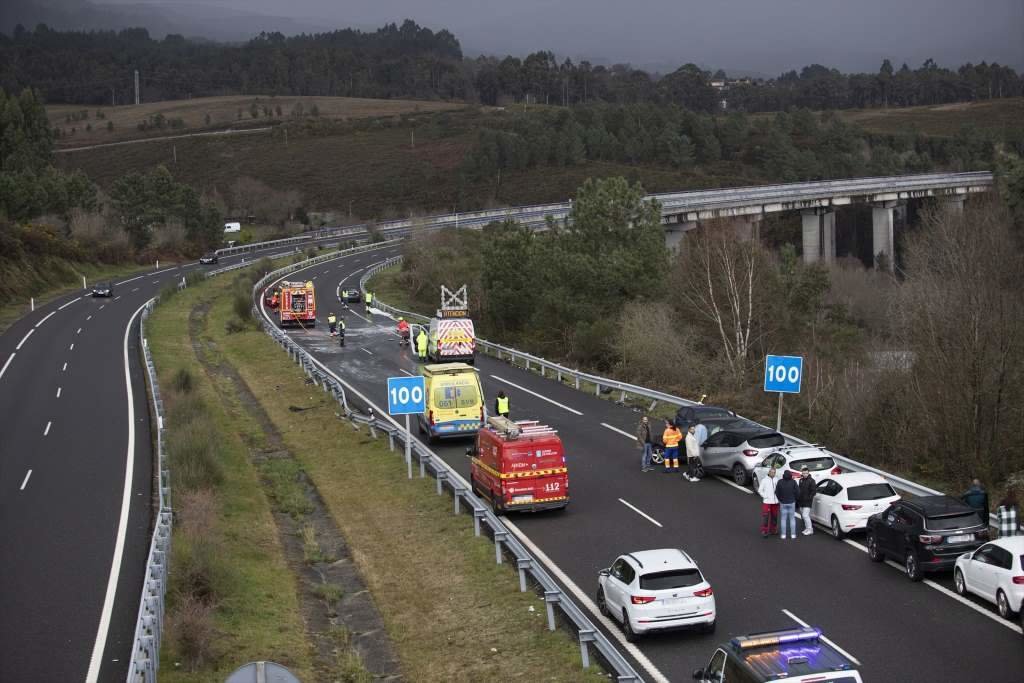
(656,590)
(843,502)
(819,462)
(995,572)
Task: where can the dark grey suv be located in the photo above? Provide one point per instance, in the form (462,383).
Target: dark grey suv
(735,448)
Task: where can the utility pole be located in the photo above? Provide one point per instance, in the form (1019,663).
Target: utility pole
(412,138)
(136,86)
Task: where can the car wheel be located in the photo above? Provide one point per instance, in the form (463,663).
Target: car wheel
(602,605)
(1003,605)
(739,474)
(837,531)
(631,635)
(874,552)
(911,567)
(959,583)
(709,628)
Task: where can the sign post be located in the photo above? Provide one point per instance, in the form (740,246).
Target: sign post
(783,374)
(407,395)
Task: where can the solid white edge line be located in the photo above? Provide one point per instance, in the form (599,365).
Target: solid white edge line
(733,484)
(640,512)
(945,591)
(534,393)
(24,339)
(61,308)
(96,659)
(407,372)
(24,482)
(46,318)
(124,282)
(584,601)
(9,359)
(616,429)
(832,643)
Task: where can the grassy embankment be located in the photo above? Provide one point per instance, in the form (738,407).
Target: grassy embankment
(47,278)
(222,112)
(942,120)
(450,612)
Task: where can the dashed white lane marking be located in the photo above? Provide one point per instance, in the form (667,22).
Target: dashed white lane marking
(61,308)
(9,359)
(24,482)
(46,318)
(730,482)
(135,290)
(46,431)
(620,431)
(79,331)
(165,270)
(103,306)
(534,393)
(366,350)
(583,599)
(24,339)
(945,591)
(88,318)
(407,372)
(58,392)
(63,369)
(640,512)
(124,282)
(839,649)
(116,298)
(71,348)
(96,659)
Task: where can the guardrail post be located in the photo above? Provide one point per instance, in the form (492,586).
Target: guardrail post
(441,476)
(478,514)
(522,564)
(423,464)
(622,396)
(458,491)
(586,636)
(651,409)
(597,390)
(499,538)
(551,598)
(577,381)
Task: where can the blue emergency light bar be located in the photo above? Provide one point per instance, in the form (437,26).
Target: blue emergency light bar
(776,638)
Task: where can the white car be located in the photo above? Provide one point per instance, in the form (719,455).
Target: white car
(656,590)
(819,462)
(995,571)
(843,502)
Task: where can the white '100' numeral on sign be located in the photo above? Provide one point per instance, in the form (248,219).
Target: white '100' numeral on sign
(404,395)
(780,373)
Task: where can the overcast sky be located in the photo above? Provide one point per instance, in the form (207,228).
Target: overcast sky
(768,36)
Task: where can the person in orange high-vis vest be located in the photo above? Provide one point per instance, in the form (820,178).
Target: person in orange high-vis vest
(671,437)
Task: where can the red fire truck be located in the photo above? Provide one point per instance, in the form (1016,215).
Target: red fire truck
(297,306)
(519,466)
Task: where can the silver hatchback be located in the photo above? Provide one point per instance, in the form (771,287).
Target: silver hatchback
(734,450)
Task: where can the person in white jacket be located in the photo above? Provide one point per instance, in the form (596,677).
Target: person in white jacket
(692,454)
(769,505)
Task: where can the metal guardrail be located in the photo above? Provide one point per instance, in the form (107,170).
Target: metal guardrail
(145,655)
(625,389)
(361,412)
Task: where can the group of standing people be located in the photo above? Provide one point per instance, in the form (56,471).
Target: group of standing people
(671,437)
(1007,512)
(783,499)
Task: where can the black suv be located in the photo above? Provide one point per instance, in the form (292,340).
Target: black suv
(925,534)
(688,415)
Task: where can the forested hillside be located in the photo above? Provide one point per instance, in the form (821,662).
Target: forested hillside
(409,60)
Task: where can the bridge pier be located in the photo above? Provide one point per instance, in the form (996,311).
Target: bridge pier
(819,235)
(882,236)
(747,227)
(674,233)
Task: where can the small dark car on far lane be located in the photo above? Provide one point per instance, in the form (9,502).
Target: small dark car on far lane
(103,289)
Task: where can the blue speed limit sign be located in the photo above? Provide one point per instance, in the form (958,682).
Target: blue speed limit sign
(406,395)
(783,374)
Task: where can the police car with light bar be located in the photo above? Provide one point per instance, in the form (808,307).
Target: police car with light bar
(798,655)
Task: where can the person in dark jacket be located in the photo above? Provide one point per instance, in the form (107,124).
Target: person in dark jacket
(805,498)
(977,499)
(787,491)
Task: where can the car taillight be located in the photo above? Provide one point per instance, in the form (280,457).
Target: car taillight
(852,507)
(929,539)
(836,470)
(1018,580)
(750,452)
(641,599)
(704,593)
(430,417)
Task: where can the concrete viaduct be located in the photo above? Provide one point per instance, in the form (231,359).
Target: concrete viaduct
(817,202)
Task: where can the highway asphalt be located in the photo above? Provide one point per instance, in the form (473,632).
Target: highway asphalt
(897,630)
(67,608)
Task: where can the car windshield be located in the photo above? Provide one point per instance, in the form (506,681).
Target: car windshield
(948,522)
(814,464)
(766,440)
(712,412)
(677,578)
(102,285)
(870,492)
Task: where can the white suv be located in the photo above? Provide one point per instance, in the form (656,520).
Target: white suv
(656,590)
(995,572)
